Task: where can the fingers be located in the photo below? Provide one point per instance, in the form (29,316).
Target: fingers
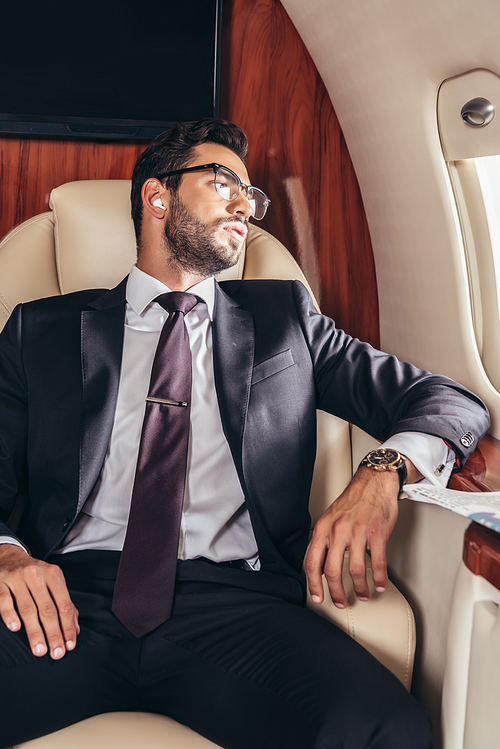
(7,611)
(331,564)
(357,571)
(313,566)
(334,564)
(331,539)
(33,594)
(374,540)
(360,519)
(46,610)
(379,565)
(21,585)
(63,616)
(326,556)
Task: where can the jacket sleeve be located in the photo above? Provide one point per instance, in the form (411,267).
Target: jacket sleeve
(382,395)
(13,417)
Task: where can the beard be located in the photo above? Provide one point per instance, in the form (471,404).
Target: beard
(192,246)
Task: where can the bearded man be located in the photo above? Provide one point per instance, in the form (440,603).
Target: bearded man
(167,432)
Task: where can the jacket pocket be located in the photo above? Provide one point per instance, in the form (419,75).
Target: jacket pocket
(272,366)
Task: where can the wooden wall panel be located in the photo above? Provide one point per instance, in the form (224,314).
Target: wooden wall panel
(482,471)
(299,157)
(31,167)
(481,553)
(271,88)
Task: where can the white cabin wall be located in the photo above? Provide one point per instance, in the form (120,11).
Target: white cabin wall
(382,62)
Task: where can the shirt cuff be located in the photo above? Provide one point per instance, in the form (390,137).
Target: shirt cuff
(13,541)
(429,454)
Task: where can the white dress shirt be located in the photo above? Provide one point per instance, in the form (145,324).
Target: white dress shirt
(215,521)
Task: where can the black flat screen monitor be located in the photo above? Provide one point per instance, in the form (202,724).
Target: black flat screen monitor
(108,69)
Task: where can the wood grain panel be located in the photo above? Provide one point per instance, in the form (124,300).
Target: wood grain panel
(31,167)
(481,553)
(481,473)
(299,157)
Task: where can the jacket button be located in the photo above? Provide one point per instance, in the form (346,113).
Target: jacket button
(66,523)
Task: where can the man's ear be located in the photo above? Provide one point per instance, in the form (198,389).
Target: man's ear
(155,198)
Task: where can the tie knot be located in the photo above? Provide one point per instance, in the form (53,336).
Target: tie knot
(178,301)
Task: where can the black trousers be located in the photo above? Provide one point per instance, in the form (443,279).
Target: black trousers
(247,668)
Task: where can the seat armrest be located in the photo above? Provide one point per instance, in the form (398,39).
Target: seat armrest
(384,625)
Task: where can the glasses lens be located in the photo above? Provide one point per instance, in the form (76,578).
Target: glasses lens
(226,184)
(259,202)
(228,187)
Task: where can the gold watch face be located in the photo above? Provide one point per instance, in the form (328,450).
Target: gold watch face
(384,458)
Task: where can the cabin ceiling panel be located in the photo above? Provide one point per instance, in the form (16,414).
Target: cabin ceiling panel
(382,62)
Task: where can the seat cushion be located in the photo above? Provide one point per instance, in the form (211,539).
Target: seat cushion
(122,731)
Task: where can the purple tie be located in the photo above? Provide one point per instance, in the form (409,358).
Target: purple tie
(145,581)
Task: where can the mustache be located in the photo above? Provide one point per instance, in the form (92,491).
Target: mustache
(233,220)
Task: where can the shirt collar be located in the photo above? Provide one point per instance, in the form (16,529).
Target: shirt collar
(142,290)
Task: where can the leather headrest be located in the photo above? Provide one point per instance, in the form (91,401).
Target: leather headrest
(94,234)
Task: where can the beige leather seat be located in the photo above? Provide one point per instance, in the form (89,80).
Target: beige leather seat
(87,241)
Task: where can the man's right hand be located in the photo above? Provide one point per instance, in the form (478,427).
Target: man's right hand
(34,593)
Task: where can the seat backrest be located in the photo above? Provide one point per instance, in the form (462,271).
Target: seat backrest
(87,241)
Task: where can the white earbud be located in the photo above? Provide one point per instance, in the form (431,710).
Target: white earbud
(159,204)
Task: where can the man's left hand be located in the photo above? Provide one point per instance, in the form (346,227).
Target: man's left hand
(361,518)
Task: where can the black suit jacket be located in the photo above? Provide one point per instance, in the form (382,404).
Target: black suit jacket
(276,361)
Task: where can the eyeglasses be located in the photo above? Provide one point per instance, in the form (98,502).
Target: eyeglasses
(228,185)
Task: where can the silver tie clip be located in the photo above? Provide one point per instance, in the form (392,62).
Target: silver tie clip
(166,401)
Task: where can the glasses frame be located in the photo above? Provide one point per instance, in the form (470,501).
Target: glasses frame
(215,167)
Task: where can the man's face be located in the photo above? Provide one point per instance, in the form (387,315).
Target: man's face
(204,233)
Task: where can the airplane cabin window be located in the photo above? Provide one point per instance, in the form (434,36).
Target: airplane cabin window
(471,149)
(476,188)
(488,172)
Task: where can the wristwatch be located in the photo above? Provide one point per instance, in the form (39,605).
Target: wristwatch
(385,459)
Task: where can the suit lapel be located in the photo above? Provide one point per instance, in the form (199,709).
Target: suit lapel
(234,350)
(234,344)
(102,328)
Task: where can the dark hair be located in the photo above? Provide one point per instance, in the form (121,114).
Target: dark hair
(173,150)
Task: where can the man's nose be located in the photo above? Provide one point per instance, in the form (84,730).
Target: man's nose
(241,204)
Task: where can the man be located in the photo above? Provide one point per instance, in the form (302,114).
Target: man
(234,653)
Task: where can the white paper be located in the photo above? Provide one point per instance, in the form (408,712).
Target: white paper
(483,507)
